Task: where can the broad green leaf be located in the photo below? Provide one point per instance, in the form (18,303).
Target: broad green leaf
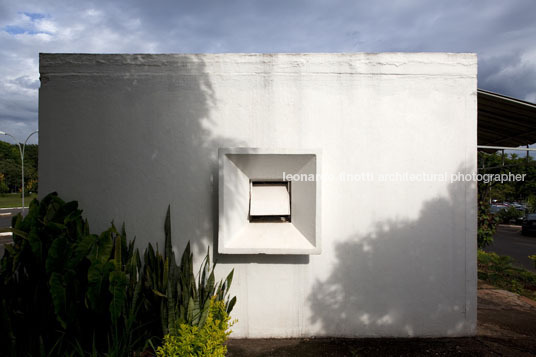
(57,292)
(56,255)
(118,287)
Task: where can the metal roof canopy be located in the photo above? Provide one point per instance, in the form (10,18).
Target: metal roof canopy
(504,121)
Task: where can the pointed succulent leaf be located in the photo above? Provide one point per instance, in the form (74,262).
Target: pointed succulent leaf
(210,285)
(204,314)
(117,253)
(190,310)
(167,231)
(196,313)
(158,293)
(231,304)
(228,281)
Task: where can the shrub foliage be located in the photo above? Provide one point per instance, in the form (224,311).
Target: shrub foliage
(487,225)
(65,291)
(207,339)
(499,271)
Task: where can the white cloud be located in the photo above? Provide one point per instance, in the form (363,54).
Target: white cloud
(45,25)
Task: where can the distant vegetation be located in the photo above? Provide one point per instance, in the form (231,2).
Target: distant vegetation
(10,168)
(515,191)
(11,200)
(519,191)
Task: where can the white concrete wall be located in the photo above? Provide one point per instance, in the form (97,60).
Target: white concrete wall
(126,135)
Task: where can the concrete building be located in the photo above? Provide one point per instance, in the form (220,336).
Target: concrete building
(384,244)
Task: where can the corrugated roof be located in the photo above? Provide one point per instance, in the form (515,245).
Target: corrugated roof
(505,121)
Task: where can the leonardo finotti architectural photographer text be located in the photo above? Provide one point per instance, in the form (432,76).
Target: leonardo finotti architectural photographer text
(407,177)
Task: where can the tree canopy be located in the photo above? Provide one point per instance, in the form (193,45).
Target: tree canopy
(10,168)
(511,191)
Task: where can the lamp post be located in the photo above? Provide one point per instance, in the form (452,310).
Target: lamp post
(21,150)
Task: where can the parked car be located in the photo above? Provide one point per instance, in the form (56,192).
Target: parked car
(528,227)
(497,208)
(519,207)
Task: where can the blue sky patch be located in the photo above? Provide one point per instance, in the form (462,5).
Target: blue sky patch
(14,30)
(17,30)
(34,15)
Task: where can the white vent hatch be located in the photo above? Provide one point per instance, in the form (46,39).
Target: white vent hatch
(269,199)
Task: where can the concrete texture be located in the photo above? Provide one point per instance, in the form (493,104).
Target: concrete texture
(126,135)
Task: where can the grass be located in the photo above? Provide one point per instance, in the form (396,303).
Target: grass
(14,200)
(498,270)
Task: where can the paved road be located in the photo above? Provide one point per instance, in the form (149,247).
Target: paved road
(509,241)
(5,216)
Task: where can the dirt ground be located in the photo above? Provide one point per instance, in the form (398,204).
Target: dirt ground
(506,327)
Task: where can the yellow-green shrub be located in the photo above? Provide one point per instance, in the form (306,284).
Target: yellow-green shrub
(207,340)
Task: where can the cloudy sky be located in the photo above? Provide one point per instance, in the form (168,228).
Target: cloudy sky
(502,33)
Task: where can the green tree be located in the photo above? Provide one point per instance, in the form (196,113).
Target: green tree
(3,185)
(494,163)
(10,166)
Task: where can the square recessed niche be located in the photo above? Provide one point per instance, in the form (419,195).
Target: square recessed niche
(269,201)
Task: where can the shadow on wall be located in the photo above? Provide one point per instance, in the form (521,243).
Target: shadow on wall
(142,139)
(186,165)
(405,278)
(139,142)
(126,135)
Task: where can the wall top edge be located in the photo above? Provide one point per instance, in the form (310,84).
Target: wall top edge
(436,63)
(268,151)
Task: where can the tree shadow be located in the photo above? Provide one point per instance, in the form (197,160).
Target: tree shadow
(128,135)
(405,278)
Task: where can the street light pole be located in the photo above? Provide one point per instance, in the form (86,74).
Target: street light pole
(21,150)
